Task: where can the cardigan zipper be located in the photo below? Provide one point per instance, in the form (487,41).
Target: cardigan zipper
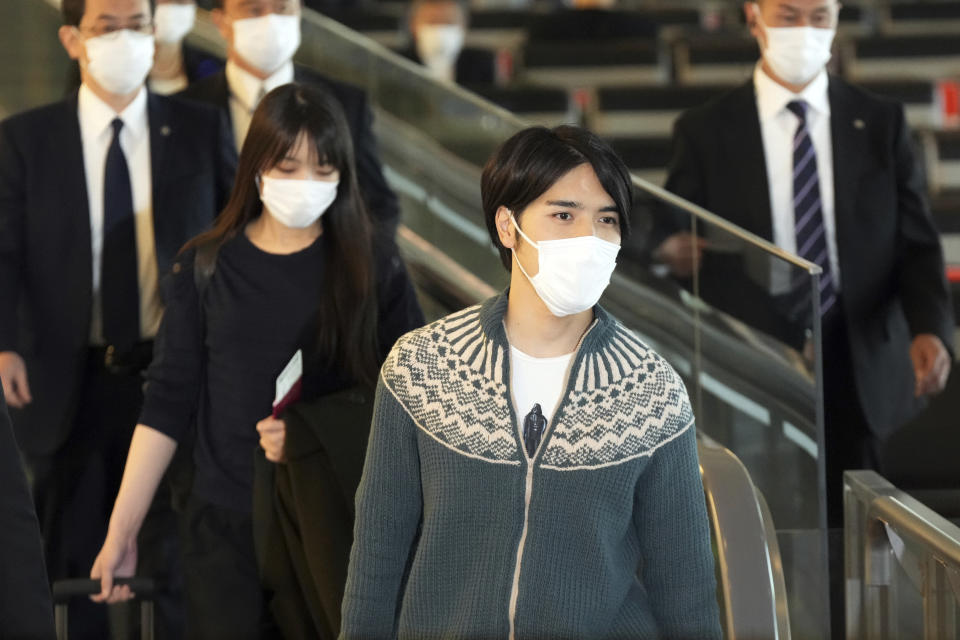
(528,486)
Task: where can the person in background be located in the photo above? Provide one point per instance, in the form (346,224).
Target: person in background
(438,29)
(97,194)
(25,607)
(296,266)
(177,64)
(532,469)
(262,37)
(826,171)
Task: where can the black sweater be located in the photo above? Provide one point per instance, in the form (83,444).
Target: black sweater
(221,365)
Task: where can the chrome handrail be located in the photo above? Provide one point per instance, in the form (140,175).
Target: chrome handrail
(884,528)
(749,568)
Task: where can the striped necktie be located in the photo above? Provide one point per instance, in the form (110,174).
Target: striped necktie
(809,227)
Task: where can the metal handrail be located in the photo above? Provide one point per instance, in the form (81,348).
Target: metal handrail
(885,527)
(377,50)
(749,567)
(205,34)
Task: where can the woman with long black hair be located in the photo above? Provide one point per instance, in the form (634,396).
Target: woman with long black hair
(290,266)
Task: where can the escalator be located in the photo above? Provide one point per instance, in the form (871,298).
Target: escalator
(754,396)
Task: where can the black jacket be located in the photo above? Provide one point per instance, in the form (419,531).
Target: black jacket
(474,67)
(304,508)
(891,262)
(26,610)
(380,200)
(45,250)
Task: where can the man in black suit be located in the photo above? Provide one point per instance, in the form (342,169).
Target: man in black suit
(438,29)
(97,195)
(25,607)
(888,322)
(262,36)
(826,171)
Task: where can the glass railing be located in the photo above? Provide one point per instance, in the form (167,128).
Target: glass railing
(902,562)
(741,328)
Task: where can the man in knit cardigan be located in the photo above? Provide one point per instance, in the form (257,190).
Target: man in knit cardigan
(594,527)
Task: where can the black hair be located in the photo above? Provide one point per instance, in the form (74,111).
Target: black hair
(532,160)
(73,10)
(348,313)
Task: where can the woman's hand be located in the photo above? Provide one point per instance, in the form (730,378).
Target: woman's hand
(273,436)
(118,557)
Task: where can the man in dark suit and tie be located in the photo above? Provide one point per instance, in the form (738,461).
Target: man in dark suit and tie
(97,195)
(262,36)
(826,171)
(437,31)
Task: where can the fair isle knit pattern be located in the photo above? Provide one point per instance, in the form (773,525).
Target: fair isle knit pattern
(593,430)
(601,534)
(468,411)
(449,379)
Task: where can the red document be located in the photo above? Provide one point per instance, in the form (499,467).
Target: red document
(289,384)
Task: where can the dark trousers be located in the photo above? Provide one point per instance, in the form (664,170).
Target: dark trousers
(75,488)
(225,599)
(849,445)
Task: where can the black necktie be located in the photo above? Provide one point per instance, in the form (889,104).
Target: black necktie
(119,286)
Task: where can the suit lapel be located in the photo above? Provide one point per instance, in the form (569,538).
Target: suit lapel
(165,223)
(847,131)
(743,144)
(72,184)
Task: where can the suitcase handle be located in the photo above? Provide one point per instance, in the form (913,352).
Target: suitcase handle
(66,590)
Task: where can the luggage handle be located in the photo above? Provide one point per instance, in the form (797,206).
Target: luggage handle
(66,590)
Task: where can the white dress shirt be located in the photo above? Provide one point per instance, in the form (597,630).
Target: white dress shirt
(246,90)
(778,126)
(96,134)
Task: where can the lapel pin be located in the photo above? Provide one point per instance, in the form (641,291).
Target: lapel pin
(859,124)
(165,130)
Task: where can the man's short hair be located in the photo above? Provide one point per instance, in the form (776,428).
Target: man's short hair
(72,11)
(531,161)
(416,4)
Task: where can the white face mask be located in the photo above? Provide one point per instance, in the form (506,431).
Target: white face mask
(297,203)
(120,61)
(796,54)
(173,21)
(573,272)
(438,46)
(267,42)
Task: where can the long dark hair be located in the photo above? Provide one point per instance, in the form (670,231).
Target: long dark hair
(348,312)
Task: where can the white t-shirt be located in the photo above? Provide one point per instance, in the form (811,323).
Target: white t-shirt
(537,381)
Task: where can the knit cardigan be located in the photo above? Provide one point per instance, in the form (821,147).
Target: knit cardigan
(460,535)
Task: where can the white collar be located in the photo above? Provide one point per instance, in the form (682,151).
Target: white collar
(245,87)
(772,97)
(98,115)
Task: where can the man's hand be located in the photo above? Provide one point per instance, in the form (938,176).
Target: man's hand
(273,436)
(931,364)
(682,253)
(13,375)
